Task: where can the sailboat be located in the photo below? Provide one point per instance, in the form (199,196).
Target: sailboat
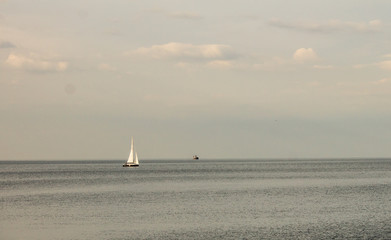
(132,160)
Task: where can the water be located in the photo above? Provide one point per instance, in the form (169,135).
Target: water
(205,199)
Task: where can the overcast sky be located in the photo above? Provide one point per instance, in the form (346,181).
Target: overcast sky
(221,79)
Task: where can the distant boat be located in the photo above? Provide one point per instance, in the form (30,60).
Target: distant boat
(195,157)
(132,160)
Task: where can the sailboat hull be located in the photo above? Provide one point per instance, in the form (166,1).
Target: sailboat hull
(130,165)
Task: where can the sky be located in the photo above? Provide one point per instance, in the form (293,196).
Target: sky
(221,79)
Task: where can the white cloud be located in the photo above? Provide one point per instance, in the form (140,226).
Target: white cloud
(382,81)
(188,51)
(330,26)
(61,66)
(386,65)
(221,64)
(35,63)
(305,55)
(301,55)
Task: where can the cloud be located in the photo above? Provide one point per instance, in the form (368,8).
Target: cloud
(386,65)
(6,44)
(330,26)
(178,50)
(382,81)
(34,63)
(185,15)
(221,64)
(305,55)
(106,67)
(300,56)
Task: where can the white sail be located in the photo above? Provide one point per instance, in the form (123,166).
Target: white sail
(136,160)
(130,159)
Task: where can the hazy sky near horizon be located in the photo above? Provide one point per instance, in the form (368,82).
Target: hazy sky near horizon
(221,79)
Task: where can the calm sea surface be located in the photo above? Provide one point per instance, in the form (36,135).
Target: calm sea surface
(204,199)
